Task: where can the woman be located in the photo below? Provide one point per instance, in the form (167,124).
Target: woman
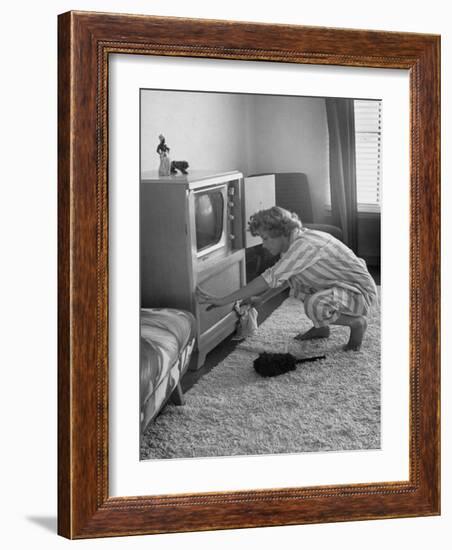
(332,282)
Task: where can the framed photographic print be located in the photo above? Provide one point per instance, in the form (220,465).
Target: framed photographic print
(248,275)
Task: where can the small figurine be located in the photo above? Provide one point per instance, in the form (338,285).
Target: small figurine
(180,165)
(163,150)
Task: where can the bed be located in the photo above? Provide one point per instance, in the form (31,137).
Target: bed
(166,344)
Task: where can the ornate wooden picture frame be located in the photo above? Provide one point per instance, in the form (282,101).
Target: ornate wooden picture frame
(86,40)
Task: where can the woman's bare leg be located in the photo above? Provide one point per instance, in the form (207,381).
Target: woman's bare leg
(358,326)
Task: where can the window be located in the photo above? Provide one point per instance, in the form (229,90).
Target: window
(368,154)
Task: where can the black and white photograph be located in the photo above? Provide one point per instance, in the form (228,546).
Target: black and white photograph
(228,247)
(259,274)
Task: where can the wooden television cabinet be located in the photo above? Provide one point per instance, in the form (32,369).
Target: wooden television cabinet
(171,266)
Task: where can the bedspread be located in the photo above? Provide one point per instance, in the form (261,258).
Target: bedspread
(167,341)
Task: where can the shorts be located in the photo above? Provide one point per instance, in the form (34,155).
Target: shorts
(325,306)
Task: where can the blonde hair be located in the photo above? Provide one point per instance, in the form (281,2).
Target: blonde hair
(275,221)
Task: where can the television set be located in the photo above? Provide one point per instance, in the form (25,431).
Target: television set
(192,234)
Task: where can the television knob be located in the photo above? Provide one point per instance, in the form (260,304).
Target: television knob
(231,217)
(231,237)
(231,204)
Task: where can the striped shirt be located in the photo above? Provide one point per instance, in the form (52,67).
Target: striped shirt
(317,261)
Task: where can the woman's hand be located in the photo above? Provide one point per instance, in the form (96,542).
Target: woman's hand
(206,298)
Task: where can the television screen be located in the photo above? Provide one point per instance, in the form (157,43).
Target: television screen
(209,208)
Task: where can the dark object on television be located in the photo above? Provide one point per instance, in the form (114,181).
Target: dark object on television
(274,364)
(180,165)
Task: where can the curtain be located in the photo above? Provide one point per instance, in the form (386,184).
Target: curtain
(341,129)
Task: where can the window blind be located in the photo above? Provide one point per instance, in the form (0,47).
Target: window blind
(368,153)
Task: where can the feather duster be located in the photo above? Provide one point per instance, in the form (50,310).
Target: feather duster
(274,364)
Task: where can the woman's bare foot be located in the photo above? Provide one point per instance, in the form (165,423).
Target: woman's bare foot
(313,333)
(357,329)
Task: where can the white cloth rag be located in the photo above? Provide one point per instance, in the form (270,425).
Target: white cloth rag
(247,322)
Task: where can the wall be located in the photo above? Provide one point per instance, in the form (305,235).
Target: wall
(294,138)
(250,133)
(204,129)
